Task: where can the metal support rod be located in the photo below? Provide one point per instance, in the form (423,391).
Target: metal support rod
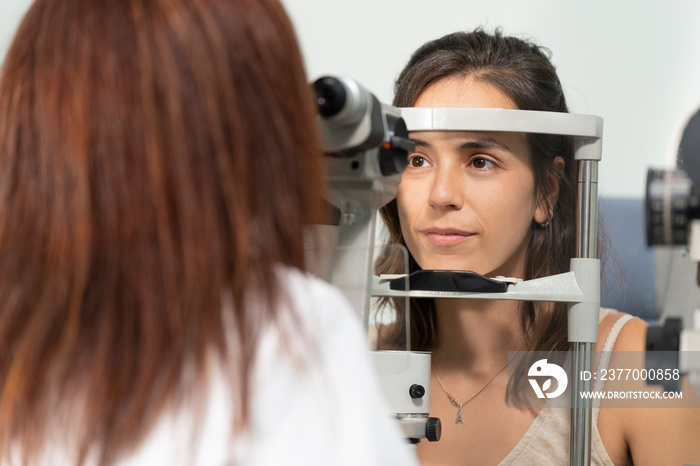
(580,442)
(587,210)
(587,234)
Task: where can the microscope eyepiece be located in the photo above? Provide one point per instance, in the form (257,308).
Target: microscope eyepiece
(330,96)
(342,101)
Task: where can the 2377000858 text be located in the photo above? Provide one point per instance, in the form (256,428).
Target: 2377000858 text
(632,374)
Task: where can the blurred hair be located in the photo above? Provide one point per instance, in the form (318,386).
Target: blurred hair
(522,71)
(156,156)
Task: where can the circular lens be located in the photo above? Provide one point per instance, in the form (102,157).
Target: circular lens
(330,96)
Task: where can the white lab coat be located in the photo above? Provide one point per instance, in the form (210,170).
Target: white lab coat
(322,408)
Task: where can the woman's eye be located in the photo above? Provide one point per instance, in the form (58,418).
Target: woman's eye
(417,161)
(481,163)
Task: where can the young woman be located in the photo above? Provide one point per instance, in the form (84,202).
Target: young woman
(503,204)
(159,159)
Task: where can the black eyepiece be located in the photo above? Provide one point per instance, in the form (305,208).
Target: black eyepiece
(330,96)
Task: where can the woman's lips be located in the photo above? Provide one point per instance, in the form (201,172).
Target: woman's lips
(446,237)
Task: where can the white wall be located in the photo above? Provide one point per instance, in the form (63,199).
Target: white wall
(636,64)
(11,12)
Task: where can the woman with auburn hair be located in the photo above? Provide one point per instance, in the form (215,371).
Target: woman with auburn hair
(503,204)
(159,159)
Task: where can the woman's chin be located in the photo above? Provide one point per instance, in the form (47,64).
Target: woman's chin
(450,265)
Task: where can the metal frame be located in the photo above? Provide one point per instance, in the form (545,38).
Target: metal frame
(587,133)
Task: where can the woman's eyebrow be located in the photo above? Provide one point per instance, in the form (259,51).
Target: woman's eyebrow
(484,143)
(421,143)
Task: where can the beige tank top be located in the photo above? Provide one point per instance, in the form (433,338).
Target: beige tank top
(547,439)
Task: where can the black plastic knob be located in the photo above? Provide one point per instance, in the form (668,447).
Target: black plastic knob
(416,391)
(433,429)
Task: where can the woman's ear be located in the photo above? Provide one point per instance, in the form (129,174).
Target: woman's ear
(549,199)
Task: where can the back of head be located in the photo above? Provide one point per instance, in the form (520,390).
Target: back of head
(154,154)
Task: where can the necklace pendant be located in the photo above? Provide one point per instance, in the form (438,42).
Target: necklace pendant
(459,416)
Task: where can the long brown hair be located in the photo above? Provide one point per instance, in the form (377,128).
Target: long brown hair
(523,71)
(155,155)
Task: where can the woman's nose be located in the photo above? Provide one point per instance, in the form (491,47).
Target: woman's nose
(448,189)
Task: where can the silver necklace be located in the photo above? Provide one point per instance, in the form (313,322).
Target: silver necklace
(459,405)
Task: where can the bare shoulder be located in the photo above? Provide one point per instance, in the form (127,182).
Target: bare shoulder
(651,435)
(632,336)
(664,435)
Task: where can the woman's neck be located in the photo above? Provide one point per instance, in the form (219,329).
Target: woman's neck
(476,335)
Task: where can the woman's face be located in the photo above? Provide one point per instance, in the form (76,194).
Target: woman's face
(467,199)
